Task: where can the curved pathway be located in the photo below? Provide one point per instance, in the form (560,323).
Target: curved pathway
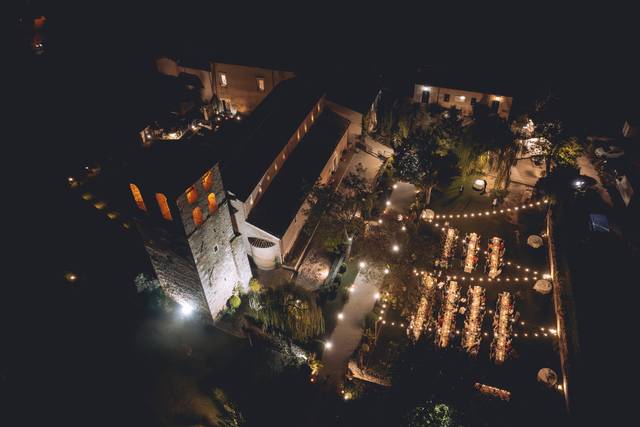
(346,336)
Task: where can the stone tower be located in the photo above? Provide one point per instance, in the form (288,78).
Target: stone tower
(183,215)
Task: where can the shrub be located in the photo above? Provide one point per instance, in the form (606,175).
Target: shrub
(235,301)
(343,268)
(255,285)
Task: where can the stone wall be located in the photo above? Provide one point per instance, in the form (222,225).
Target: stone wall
(198,264)
(215,258)
(176,273)
(242,86)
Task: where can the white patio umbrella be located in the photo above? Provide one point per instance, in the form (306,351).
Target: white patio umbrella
(543,286)
(547,377)
(535,241)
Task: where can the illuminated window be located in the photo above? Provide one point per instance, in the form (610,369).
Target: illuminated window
(223,80)
(260,82)
(446,97)
(164,206)
(318,107)
(312,118)
(213,204)
(298,135)
(283,156)
(461,98)
(207,180)
(137,196)
(192,195)
(305,128)
(275,165)
(197,216)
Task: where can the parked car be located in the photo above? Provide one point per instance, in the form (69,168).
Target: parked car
(610,152)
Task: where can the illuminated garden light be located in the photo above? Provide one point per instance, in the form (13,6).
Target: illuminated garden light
(71,277)
(362,264)
(404,228)
(186,309)
(328,345)
(395,186)
(386,271)
(340,316)
(380,221)
(395,248)
(376,295)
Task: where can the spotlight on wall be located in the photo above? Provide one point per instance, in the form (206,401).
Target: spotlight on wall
(186,309)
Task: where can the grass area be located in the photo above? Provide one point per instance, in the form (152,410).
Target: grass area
(450,200)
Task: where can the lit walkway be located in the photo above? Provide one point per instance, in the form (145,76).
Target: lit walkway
(346,336)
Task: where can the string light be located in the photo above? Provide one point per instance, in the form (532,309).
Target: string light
(495,212)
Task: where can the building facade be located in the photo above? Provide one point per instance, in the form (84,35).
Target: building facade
(463,100)
(240,88)
(192,244)
(200,234)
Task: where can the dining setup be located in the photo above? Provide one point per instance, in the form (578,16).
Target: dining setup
(495,257)
(502,327)
(472,333)
(470,249)
(422,317)
(446,320)
(450,238)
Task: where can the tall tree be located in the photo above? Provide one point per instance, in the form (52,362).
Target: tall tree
(555,143)
(291,311)
(490,142)
(425,161)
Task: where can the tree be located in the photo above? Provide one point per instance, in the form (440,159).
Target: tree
(433,414)
(555,143)
(341,211)
(424,161)
(291,311)
(487,142)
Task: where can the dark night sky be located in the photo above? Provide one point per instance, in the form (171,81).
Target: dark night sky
(88,94)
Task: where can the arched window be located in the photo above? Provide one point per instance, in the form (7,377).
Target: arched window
(164,206)
(197,216)
(207,181)
(213,204)
(137,196)
(192,195)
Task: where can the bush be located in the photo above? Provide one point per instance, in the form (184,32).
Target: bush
(255,285)
(234,302)
(343,268)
